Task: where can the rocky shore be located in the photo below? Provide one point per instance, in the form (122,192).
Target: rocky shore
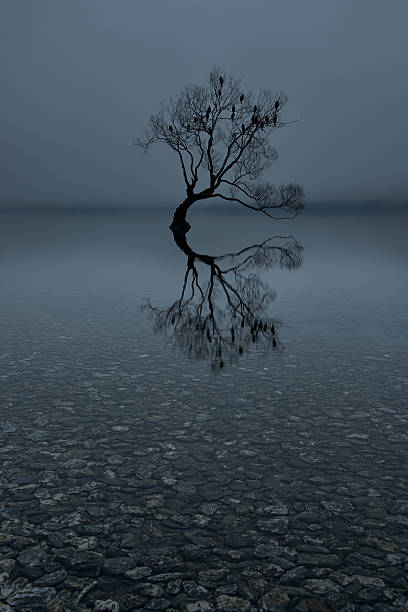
(140,498)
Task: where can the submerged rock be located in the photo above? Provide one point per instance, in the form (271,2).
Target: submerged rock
(30,596)
(232,604)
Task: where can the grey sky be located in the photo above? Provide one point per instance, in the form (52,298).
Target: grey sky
(80,78)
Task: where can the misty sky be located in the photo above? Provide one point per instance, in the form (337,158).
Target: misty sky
(80,78)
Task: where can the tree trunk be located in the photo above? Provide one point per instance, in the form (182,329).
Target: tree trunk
(179,218)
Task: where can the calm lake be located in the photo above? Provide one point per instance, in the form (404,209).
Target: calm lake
(153,468)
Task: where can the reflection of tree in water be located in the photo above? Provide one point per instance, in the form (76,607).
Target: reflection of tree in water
(220,317)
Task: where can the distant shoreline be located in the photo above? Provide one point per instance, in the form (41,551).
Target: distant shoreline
(311,207)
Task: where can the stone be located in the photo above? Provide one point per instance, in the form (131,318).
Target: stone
(273,525)
(151,590)
(193,589)
(131,601)
(7,565)
(55,605)
(6,589)
(369,581)
(154,501)
(174,587)
(115,566)
(52,579)
(396,559)
(138,572)
(275,600)
(263,551)
(384,545)
(81,563)
(295,576)
(32,561)
(318,605)
(209,509)
(338,507)
(6,539)
(200,520)
(166,577)
(109,584)
(341,578)
(107,605)
(279,509)
(30,596)
(227,589)
(198,606)
(212,578)
(364,561)
(368,595)
(273,571)
(321,586)
(319,560)
(158,603)
(232,604)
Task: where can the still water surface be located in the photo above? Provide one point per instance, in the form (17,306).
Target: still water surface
(283,471)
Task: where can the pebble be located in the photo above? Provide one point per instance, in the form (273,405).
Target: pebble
(173,496)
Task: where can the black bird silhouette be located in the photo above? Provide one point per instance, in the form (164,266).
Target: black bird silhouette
(255,108)
(266,119)
(221,81)
(233,108)
(241,98)
(243,128)
(277,104)
(171,128)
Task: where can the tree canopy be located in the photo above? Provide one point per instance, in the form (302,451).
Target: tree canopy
(221,135)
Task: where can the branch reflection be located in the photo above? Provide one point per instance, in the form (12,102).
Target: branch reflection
(222,308)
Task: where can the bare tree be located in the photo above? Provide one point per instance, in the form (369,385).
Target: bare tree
(221,135)
(219,317)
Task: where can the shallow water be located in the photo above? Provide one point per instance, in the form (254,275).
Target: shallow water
(284,471)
